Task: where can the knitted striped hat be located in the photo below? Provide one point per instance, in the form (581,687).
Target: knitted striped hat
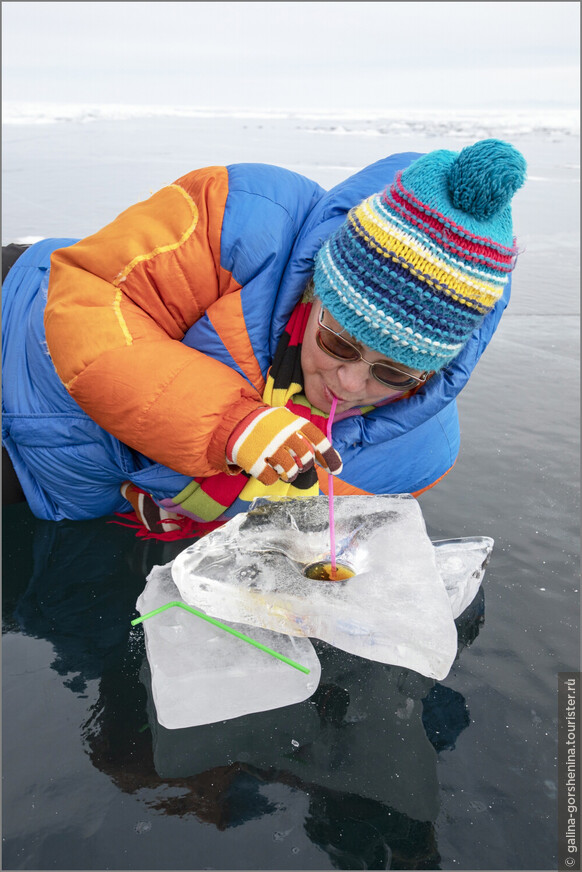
(414,270)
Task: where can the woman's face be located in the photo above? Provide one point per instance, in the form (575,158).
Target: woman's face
(324,377)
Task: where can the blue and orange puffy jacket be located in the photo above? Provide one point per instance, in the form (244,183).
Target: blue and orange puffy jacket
(133,353)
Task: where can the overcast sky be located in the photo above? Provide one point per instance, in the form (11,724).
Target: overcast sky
(293,55)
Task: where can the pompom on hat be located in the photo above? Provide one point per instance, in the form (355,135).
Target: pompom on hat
(414,270)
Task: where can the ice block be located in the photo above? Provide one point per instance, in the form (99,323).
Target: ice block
(395,609)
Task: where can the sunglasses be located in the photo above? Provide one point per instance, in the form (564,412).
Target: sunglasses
(342,349)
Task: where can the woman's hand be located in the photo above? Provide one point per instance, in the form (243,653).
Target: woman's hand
(274,443)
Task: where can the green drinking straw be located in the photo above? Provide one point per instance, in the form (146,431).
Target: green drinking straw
(223,627)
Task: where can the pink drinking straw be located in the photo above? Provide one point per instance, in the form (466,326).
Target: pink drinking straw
(330,493)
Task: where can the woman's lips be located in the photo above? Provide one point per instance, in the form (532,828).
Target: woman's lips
(330,396)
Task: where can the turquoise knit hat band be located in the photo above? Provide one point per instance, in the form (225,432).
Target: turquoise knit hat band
(412,271)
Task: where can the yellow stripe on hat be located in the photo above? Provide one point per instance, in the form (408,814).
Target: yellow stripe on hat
(474,277)
(399,226)
(478,295)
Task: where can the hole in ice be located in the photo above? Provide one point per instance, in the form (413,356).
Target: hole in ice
(322,570)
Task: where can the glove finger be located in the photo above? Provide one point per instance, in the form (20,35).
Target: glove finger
(325,453)
(330,461)
(267,476)
(301,450)
(283,463)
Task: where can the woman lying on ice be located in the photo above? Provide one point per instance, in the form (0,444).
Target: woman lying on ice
(194,346)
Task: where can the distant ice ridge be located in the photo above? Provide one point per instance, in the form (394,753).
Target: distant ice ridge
(433,122)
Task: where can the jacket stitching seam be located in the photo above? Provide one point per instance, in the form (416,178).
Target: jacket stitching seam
(140,258)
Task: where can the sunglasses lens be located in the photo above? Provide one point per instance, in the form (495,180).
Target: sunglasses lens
(339,348)
(391,377)
(336,346)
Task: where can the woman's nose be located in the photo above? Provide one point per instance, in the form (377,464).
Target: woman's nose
(353,376)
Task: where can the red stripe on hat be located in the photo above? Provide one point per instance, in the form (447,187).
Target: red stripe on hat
(408,195)
(461,245)
(437,219)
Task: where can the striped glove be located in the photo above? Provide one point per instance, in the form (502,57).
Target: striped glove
(274,443)
(148,513)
